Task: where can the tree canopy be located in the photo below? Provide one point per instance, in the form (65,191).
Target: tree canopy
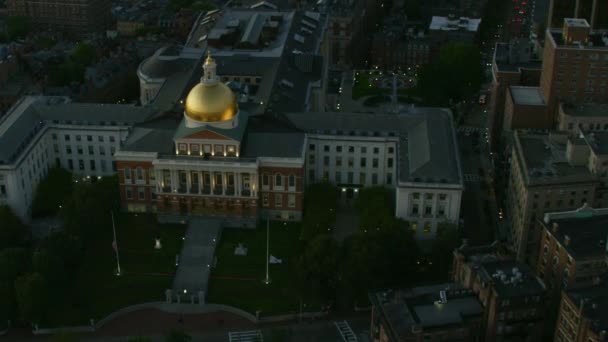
(320,205)
(32,297)
(316,267)
(17,27)
(447,239)
(88,209)
(52,192)
(376,212)
(457,75)
(13,233)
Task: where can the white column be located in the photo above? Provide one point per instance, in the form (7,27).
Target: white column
(223,183)
(237,184)
(174,181)
(199,174)
(188,180)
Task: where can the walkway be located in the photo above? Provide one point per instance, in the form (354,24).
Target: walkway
(196,258)
(347,222)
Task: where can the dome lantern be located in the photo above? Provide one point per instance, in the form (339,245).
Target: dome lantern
(210,101)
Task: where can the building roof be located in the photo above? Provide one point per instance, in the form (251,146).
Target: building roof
(585,228)
(483,253)
(454,24)
(598,141)
(511,278)
(543,161)
(163,63)
(515,56)
(586,110)
(235,133)
(530,96)
(596,41)
(428,151)
(31,113)
(421,307)
(274,144)
(595,307)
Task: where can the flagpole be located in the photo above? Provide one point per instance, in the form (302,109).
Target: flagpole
(267,280)
(115,244)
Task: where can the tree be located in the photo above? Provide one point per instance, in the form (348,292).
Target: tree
(316,267)
(375,209)
(13,232)
(51,267)
(88,209)
(320,204)
(378,259)
(17,27)
(139,339)
(8,306)
(13,263)
(177,336)
(32,296)
(84,54)
(446,241)
(67,247)
(456,76)
(52,192)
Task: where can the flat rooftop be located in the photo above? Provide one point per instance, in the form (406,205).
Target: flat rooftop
(597,41)
(428,151)
(454,24)
(529,96)
(587,229)
(598,141)
(543,160)
(511,278)
(586,110)
(515,57)
(596,308)
(576,22)
(421,306)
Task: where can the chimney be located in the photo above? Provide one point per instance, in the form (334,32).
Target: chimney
(566,240)
(555,226)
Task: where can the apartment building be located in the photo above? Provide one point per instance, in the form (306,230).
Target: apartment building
(466,260)
(575,66)
(594,11)
(572,252)
(71,16)
(513,64)
(444,312)
(548,173)
(582,117)
(583,313)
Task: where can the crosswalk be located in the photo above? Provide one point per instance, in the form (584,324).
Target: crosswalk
(345,331)
(471,177)
(246,336)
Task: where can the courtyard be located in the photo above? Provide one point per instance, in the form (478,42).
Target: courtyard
(146,272)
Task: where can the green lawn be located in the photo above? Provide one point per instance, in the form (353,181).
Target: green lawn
(147,272)
(238,280)
(364,84)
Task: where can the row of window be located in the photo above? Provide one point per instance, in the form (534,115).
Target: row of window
(426,227)
(351,149)
(351,161)
(278,181)
(90,150)
(89,138)
(278,200)
(429,196)
(103,165)
(226,150)
(350,178)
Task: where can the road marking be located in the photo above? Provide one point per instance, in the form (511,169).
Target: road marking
(246,336)
(345,331)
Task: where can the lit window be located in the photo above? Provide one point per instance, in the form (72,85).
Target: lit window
(265,199)
(427,228)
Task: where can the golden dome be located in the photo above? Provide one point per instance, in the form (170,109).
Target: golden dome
(211,103)
(210,100)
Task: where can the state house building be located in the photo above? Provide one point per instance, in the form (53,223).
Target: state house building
(221,161)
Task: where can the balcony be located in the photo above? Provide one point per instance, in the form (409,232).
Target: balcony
(218,190)
(194,189)
(246,192)
(206,189)
(167,188)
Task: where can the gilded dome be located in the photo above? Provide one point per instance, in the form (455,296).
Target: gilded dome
(210,100)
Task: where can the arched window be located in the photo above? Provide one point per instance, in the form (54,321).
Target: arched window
(292,181)
(278,180)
